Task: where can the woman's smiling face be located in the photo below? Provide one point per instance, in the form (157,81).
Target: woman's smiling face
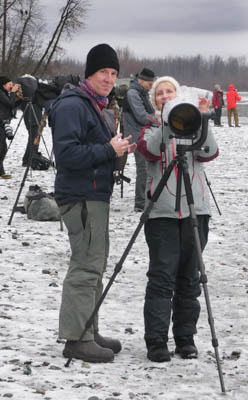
(164,92)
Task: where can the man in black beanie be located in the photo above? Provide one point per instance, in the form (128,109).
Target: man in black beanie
(100,57)
(86,149)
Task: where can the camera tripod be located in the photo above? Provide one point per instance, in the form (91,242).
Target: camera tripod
(31,114)
(183,174)
(36,140)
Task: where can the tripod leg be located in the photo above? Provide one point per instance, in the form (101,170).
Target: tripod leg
(203,276)
(210,189)
(30,110)
(61,224)
(122,188)
(179,187)
(119,265)
(40,128)
(19,123)
(117,269)
(18,195)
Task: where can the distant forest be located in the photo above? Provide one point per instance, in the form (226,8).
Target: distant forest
(196,71)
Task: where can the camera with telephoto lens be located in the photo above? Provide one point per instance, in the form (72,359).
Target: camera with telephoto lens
(8,130)
(182,114)
(185,120)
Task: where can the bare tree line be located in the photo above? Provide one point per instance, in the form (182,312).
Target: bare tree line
(191,71)
(23,29)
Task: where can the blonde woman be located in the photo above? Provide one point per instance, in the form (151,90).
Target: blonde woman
(173,277)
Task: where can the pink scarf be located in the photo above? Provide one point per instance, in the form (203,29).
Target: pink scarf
(102,101)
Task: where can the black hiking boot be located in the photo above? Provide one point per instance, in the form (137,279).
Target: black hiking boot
(158,351)
(88,351)
(107,342)
(186,347)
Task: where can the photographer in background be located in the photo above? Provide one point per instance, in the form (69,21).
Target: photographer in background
(173,275)
(232,97)
(217,103)
(7,104)
(137,112)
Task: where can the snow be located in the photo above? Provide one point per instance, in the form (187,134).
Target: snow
(34,258)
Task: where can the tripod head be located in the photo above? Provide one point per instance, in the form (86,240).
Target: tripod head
(27,99)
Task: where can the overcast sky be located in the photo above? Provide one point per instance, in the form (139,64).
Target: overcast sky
(157,28)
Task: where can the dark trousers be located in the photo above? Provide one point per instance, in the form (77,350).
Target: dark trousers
(32,118)
(217,116)
(31,147)
(173,277)
(3,148)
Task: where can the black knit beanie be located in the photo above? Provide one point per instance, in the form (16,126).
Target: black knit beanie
(101,56)
(4,80)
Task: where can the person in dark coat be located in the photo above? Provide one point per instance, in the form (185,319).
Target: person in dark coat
(86,150)
(218,103)
(138,112)
(7,104)
(32,114)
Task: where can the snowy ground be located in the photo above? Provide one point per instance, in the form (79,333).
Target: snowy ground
(33,261)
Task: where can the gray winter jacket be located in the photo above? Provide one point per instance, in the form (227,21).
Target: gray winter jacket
(137,110)
(149,145)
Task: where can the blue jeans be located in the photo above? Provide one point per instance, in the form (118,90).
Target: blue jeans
(173,277)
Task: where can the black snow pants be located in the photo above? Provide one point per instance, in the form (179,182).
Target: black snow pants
(173,277)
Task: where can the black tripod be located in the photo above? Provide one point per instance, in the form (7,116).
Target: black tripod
(28,105)
(181,162)
(31,114)
(182,165)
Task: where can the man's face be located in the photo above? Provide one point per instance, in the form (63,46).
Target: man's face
(146,84)
(103,80)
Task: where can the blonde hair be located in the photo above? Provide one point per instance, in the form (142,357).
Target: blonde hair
(157,82)
(169,79)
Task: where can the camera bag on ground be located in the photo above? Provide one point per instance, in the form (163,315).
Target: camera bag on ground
(41,206)
(40,163)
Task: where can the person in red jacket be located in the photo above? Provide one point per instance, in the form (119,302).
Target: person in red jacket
(232,97)
(217,103)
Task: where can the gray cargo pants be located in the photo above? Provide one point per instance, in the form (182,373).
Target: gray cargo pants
(87,224)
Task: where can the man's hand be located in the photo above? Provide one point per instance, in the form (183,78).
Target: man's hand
(120,145)
(131,148)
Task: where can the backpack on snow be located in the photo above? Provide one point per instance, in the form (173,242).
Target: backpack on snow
(41,206)
(40,163)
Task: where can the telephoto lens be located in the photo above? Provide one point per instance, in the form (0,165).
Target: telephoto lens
(8,130)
